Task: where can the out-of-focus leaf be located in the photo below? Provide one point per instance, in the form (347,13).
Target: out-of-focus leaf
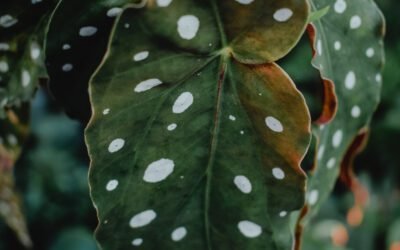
(327,235)
(349,51)
(75,47)
(22,29)
(13,131)
(74,239)
(393,237)
(192,145)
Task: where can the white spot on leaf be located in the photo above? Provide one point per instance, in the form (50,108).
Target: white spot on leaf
(319,47)
(141,56)
(158,170)
(232,118)
(163,3)
(35,51)
(321,152)
(178,234)
(274,124)
(244,1)
(112,185)
(116,145)
(147,84)
(356,111)
(66,46)
(182,103)
(26,78)
(340,6)
(172,126)
(137,242)
(188,26)
(337,45)
(249,229)
(278,173)
(243,184)
(337,138)
(3,66)
(87,31)
(355,22)
(142,219)
(113,12)
(378,78)
(370,52)
(282,214)
(7,21)
(313,197)
(67,67)
(283,15)
(331,163)
(350,80)
(106,111)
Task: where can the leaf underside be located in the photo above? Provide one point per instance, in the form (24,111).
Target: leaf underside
(348,44)
(192,144)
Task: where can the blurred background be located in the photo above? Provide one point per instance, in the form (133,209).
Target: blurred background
(51,175)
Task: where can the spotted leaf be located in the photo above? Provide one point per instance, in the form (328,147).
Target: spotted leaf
(348,50)
(73,55)
(192,145)
(22,27)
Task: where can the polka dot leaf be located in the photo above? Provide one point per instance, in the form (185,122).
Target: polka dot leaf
(348,51)
(193,144)
(22,28)
(73,55)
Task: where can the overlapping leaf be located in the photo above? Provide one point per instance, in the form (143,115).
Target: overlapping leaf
(75,48)
(192,145)
(348,47)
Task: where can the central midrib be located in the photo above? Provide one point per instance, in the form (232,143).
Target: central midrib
(216,125)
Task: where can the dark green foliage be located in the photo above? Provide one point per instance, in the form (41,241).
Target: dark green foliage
(184,121)
(197,135)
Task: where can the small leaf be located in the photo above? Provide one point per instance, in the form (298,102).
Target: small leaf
(191,147)
(318,14)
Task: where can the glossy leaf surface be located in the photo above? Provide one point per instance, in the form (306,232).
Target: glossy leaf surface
(191,145)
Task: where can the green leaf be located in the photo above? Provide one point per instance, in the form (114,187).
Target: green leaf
(75,47)
(192,147)
(22,28)
(348,44)
(318,14)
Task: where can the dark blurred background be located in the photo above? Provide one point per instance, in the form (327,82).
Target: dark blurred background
(51,175)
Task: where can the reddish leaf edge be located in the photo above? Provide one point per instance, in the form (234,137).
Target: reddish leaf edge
(349,178)
(329,98)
